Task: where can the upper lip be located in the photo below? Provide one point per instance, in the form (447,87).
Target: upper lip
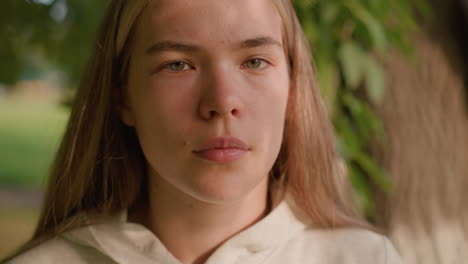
(223,143)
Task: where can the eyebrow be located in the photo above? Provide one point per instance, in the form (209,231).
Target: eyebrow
(167,45)
(260,42)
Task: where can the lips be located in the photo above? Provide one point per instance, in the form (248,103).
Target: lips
(222,149)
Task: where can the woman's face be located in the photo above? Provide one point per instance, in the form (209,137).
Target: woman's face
(203,73)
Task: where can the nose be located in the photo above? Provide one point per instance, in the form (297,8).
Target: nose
(221,95)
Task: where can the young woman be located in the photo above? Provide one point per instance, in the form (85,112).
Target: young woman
(198,136)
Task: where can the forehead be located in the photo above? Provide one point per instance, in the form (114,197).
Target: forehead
(209,21)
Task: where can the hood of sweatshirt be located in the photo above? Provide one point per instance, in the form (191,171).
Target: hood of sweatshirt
(127,242)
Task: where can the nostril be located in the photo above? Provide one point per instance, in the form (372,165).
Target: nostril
(213,113)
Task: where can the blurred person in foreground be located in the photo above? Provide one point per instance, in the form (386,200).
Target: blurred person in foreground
(198,136)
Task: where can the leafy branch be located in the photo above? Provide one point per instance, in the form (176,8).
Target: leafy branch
(348,39)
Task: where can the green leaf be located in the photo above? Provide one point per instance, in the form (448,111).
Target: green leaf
(329,83)
(374,171)
(373,25)
(363,191)
(304,4)
(375,80)
(351,59)
(310,30)
(330,12)
(348,141)
(365,120)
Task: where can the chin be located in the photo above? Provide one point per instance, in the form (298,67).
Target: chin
(225,188)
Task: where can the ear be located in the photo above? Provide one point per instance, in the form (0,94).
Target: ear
(126,112)
(127,116)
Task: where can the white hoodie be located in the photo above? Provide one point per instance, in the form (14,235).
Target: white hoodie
(279,238)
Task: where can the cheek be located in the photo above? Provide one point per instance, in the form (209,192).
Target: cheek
(169,101)
(269,104)
(175,96)
(163,112)
(269,111)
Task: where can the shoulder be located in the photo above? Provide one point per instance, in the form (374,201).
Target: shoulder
(363,244)
(344,245)
(58,250)
(46,252)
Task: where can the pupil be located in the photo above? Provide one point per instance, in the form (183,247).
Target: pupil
(254,63)
(177,66)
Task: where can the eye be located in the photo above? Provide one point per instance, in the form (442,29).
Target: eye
(255,64)
(177,66)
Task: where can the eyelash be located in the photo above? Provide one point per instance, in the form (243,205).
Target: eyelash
(262,60)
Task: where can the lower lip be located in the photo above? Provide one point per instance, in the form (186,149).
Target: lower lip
(221,155)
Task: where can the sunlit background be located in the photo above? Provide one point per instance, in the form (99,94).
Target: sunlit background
(393,75)
(44,45)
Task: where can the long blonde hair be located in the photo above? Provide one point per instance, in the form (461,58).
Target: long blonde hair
(100,168)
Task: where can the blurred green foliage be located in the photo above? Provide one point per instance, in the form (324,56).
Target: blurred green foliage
(348,38)
(29,137)
(58,32)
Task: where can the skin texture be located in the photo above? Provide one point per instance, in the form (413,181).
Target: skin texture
(178,99)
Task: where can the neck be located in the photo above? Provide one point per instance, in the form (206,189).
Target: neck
(192,229)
